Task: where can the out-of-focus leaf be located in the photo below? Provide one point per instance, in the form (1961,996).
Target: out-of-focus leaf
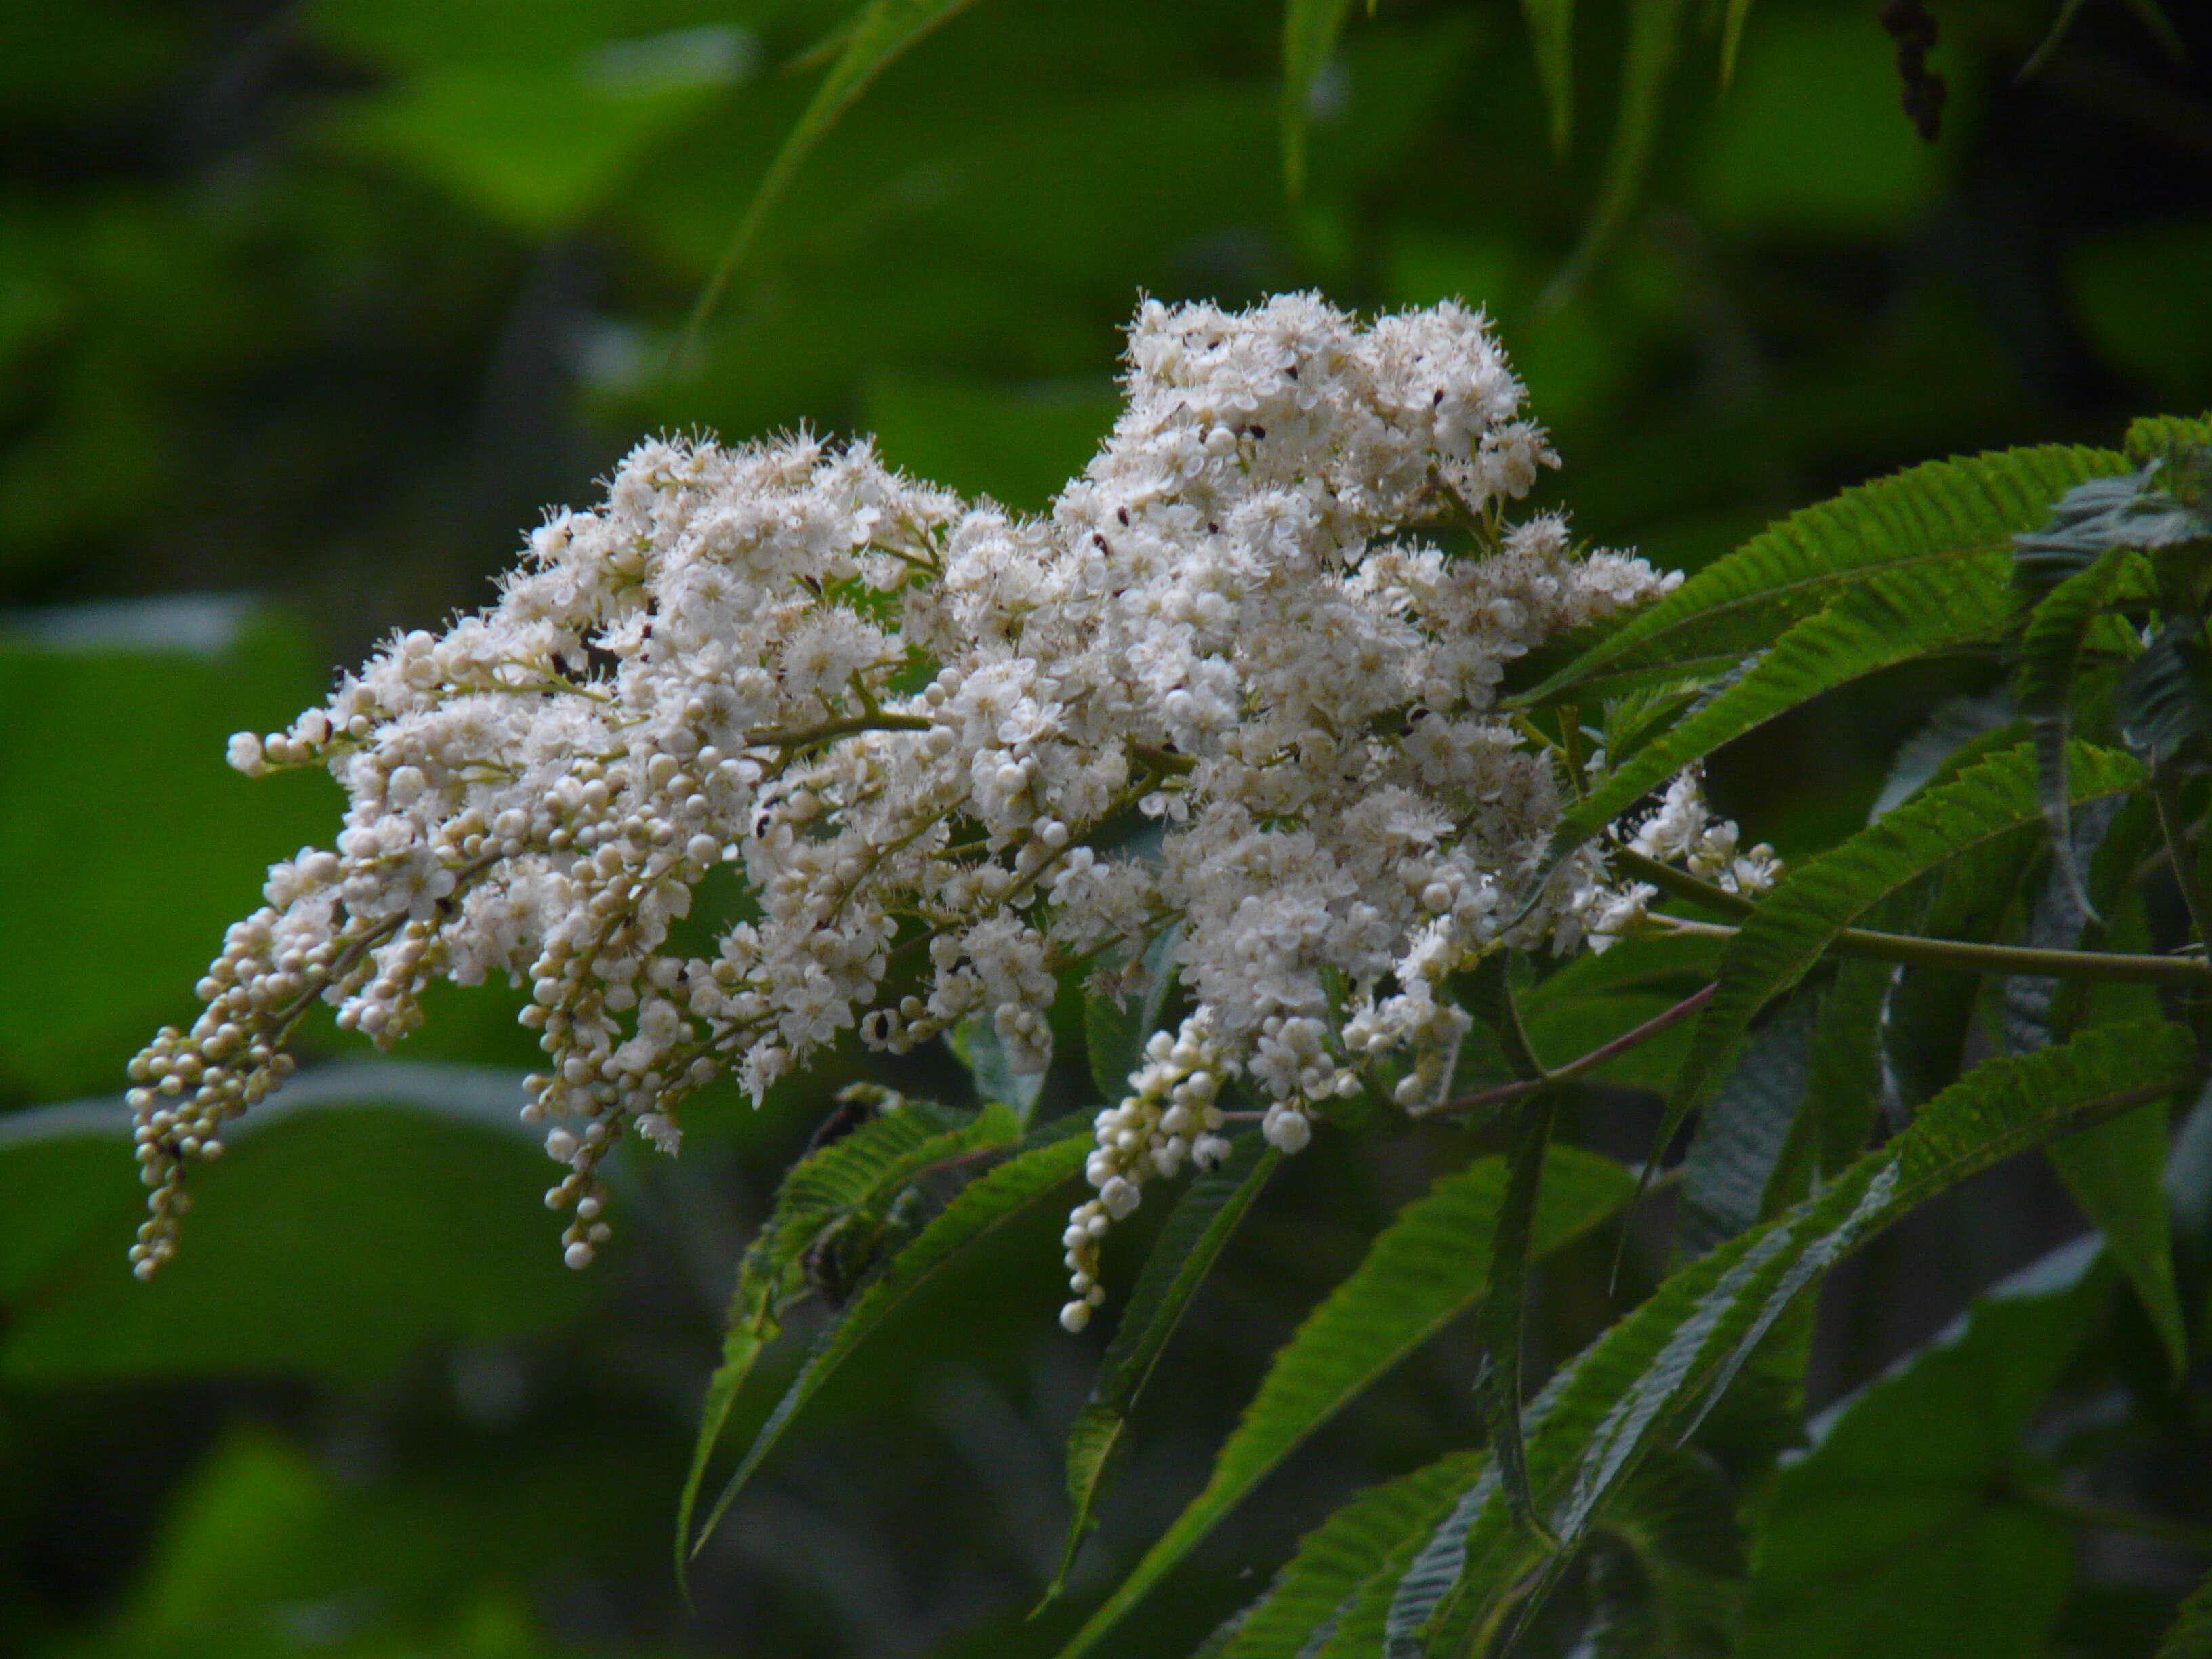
(363,1210)
(534,149)
(2191,1635)
(1020,448)
(982,1208)
(1807,142)
(1426,1268)
(1656,1373)
(1182,1256)
(2114,1172)
(878,34)
(1311,28)
(1738,13)
(1654,28)
(136,844)
(1552,31)
(1894,1533)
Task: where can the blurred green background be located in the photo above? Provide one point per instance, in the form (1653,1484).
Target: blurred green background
(307,311)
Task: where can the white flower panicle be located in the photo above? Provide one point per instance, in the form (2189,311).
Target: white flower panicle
(1223,687)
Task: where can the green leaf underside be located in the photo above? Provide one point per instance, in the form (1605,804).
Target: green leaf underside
(1794,924)
(1842,1086)
(1426,1268)
(1656,1373)
(2051,649)
(868,43)
(1190,1242)
(1892,618)
(856,1176)
(1740,1137)
(1939,513)
(1895,1531)
(981,1208)
(1337,1558)
(1311,30)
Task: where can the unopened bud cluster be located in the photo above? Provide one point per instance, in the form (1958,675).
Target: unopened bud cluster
(1227,686)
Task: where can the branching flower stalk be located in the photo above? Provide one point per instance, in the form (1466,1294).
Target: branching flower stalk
(924,729)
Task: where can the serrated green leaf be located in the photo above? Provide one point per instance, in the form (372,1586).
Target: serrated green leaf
(853,1179)
(1333,1562)
(1656,1373)
(1786,935)
(2190,1637)
(1196,1231)
(982,1208)
(1426,1269)
(2166,438)
(1502,1323)
(1892,617)
(1310,29)
(1894,1532)
(869,40)
(1552,32)
(1942,512)
(1654,28)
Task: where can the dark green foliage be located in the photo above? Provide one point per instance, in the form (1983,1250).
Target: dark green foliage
(1428,1267)
(829,1222)
(318,305)
(1202,1224)
(1905,1528)
(985,1205)
(1654,1375)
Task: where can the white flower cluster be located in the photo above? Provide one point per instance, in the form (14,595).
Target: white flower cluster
(1221,687)
(1683,829)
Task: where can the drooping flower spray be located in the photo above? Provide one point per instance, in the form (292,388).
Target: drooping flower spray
(925,730)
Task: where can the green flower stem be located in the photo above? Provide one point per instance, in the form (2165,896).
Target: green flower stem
(2182,971)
